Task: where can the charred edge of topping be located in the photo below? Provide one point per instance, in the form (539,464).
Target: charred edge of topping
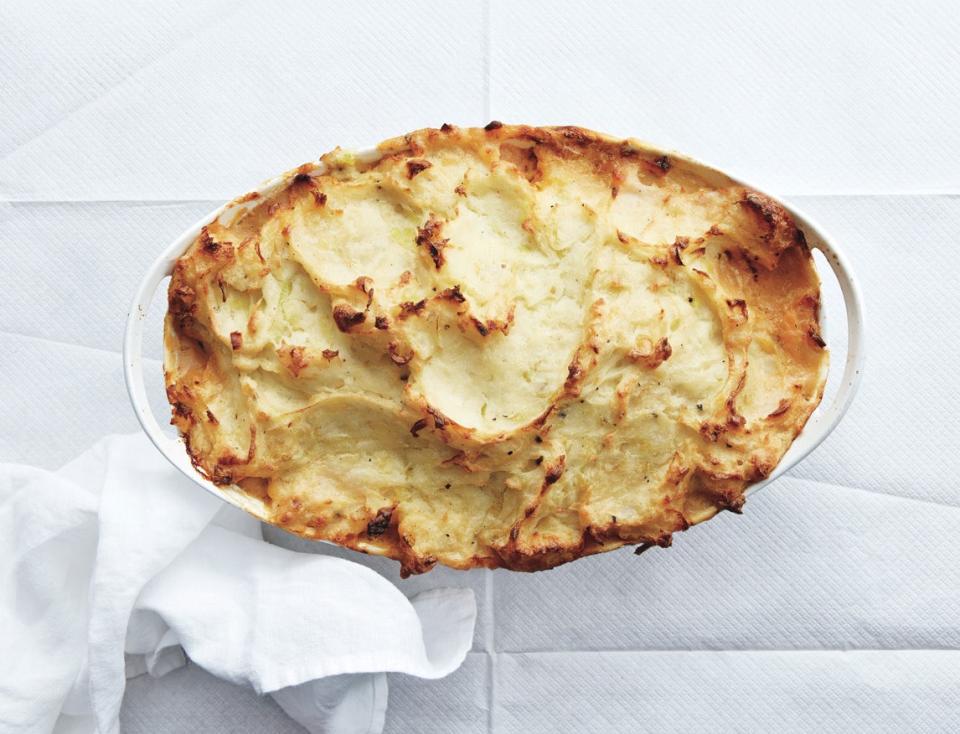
(207,243)
(682,522)
(481,327)
(236,340)
(409,308)
(541,419)
(209,246)
(734,419)
(297,361)
(223,293)
(575,135)
(195,458)
(231,460)
(330,353)
(393,349)
(447,128)
(750,260)
(664,541)
(775,218)
(764,207)
(365,285)
(555,470)
(527,163)
(428,236)
(453,294)
(180,409)
(346,318)
(678,246)
(762,468)
(782,408)
(815,337)
(574,375)
(712,431)
(485,327)
(740,305)
(417,166)
(411,566)
(182,305)
(418,426)
(381,322)
(439,419)
(319,198)
(303,178)
(813,303)
(660,354)
(676,472)
(461,459)
(212,418)
(380,523)
(413,144)
(537,135)
(493,125)
(663,163)
(732,502)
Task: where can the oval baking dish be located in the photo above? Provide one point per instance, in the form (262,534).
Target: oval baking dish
(594,389)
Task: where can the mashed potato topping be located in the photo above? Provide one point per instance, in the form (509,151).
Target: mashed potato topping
(508,346)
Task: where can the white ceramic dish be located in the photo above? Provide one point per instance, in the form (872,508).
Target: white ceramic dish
(824,419)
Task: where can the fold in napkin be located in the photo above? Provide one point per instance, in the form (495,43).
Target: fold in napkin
(117,564)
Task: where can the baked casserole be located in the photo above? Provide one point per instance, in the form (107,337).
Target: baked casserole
(500,347)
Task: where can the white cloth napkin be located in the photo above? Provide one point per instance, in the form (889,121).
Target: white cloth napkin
(116,564)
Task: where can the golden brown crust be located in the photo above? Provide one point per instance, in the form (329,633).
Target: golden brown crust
(510,346)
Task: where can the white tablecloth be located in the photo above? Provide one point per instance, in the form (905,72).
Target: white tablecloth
(833,603)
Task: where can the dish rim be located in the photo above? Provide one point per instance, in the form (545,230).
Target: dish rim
(821,423)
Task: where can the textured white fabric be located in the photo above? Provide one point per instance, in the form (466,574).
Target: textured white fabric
(118,553)
(831,604)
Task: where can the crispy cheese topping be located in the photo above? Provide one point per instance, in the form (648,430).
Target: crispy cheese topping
(507,346)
